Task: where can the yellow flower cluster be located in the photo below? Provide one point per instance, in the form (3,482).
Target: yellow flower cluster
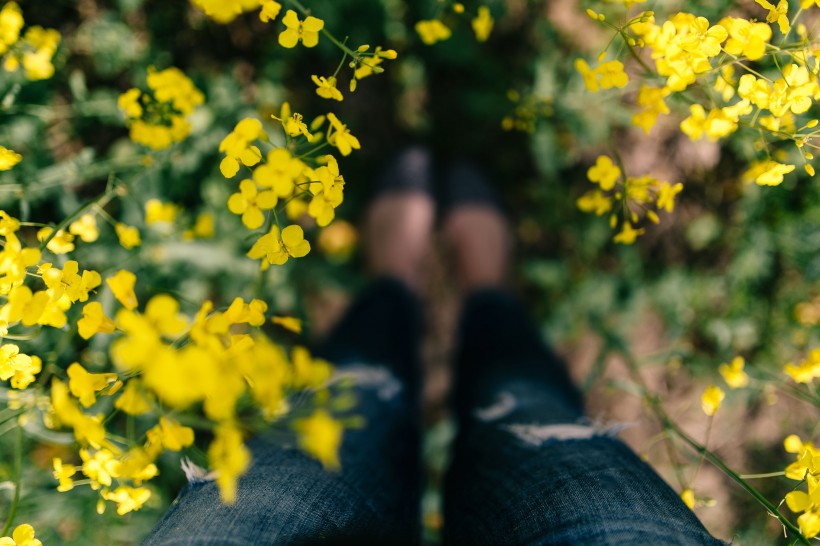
(805,468)
(33,51)
(158,118)
(305,185)
(432,31)
(225,11)
(164,363)
(719,69)
(807,370)
(526,112)
(635,195)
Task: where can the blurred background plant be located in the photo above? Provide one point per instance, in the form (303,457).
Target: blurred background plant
(722,292)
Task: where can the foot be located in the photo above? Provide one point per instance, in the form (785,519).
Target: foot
(475,230)
(480,242)
(399,224)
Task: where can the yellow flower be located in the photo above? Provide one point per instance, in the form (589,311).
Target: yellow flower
(127,498)
(767,173)
(94,321)
(307,31)
(229,458)
(173,435)
(711,399)
(129,103)
(590,76)
(338,240)
(432,31)
(11,23)
(777,14)
(809,503)
(250,203)
(309,372)
(158,212)
(339,135)
(604,172)
(12,360)
(122,285)
(275,250)
(85,227)
(85,385)
(746,38)
(133,400)
(8,158)
(42,45)
(288,323)
(482,24)
(651,99)
(25,375)
(329,194)
(807,370)
(628,234)
(733,373)
(23,535)
(666,196)
(594,201)
(204,227)
(612,75)
(279,172)
(237,146)
(326,87)
(320,436)
(157,119)
(270,10)
(61,243)
(129,236)
(63,473)
(172,86)
(293,124)
(225,11)
(688,498)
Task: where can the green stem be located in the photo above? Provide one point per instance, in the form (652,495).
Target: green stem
(715,460)
(766,475)
(18,471)
(667,423)
(100,201)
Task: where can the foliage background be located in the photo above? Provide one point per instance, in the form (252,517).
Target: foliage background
(719,277)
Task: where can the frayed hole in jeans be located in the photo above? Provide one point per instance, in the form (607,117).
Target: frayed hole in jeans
(537,435)
(504,404)
(195,473)
(366,376)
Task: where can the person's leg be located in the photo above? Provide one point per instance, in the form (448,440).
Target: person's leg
(288,498)
(528,468)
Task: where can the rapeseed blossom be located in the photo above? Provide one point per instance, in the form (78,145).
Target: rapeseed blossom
(158,118)
(275,249)
(8,158)
(432,31)
(482,24)
(23,535)
(733,373)
(711,399)
(238,147)
(306,31)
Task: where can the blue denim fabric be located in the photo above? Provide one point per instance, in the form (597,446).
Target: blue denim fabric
(288,498)
(526,469)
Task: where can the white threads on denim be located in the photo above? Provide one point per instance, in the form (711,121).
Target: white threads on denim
(537,435)
(504,404)
(366,376)
(195,473)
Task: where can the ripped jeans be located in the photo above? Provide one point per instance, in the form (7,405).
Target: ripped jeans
(526,469)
